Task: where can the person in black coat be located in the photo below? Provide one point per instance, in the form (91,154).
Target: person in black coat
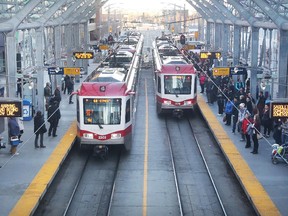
(53,118)
(39,129)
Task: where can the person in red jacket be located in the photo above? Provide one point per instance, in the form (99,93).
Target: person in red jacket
(246,129)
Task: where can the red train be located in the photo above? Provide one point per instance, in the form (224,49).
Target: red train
(175,78)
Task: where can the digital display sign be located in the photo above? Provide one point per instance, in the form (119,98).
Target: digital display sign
(10,108)
(83,55)
(210,55)
(279,110)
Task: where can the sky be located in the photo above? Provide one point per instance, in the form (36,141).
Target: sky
(146,5)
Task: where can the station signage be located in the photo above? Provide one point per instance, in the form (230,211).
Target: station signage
(103,47)
(72,71)
(11,108)
(238,71)
(279,109)
(221,71)
(83,55)
(210,55)
(56,71)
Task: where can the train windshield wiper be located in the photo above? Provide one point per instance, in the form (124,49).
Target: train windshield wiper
(100,126)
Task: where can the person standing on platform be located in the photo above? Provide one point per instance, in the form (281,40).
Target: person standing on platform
(255,133)
(66,84)
(247,131)
(47,94)
(202,80)
(235,114)
(21,127)
(57,94)
(39,129)
(13,132)
(266,121)
(19,87)
(53,118)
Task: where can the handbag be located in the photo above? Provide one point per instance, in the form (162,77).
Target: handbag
(14,140)
(224,118)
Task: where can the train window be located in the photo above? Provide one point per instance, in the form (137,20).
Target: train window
(177,84)
(128,111)
(106,111)
(159,84)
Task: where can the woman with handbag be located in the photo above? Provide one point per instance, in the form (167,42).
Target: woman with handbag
(39,129)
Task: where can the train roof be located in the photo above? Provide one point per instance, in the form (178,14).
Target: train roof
(109,75)
(178,69)
(103,89)
(174,60)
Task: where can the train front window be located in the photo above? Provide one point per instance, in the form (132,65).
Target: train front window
(177,84)
(102,111)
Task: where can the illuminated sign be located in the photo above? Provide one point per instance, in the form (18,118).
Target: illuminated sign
(72,71)
(210,55)
(83,55)
(103,47)
(218,71)
(10,108)
(279,110)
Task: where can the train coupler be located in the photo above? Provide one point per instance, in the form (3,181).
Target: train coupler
(101,151)
(178,113)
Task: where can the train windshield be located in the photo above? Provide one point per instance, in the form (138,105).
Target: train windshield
(177,84)
(102,111)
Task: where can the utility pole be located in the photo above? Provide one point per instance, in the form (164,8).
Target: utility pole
(184,24)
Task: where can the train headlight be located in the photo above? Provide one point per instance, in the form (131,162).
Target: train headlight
(115,136)
(167,102)
(88,135)
(187,102)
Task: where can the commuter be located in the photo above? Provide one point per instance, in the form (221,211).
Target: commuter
(247,130)
(220,102)
(21,127)
(57,94)
(255,133)
(202,80)
(284,131)
(39,129)
(260,103)
(266,121)
(66,83)
(242,99)
(235,114)
(249,105)
(70,87)
(19,87)
(228,111)
(53,118)
(47,94)
(277,131)
(241,117)
(13,132)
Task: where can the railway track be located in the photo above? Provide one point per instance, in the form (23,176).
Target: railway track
(82,181)
(206,184)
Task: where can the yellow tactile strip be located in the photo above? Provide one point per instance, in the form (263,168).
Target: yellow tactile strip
(37,188)
(256,193)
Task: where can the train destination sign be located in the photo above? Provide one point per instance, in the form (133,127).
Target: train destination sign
(279,109)
(221,71)
(11,108)
(55,70)
(210,55)
(83,55)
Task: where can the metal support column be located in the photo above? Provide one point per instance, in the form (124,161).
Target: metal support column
(254,60)
(39,100)
(236,44)
(283,62)
(208,32)
(225,45)
(11,66)
(57,51)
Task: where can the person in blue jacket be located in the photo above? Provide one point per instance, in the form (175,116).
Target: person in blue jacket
(228,111)
(13,132)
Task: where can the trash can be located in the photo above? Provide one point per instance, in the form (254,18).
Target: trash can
(27,110)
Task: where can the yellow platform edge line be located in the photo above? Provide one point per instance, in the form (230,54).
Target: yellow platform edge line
(256,193)
(29,201)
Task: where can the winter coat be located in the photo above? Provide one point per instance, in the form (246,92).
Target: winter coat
(39,125)
(229,107)
(13,127)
